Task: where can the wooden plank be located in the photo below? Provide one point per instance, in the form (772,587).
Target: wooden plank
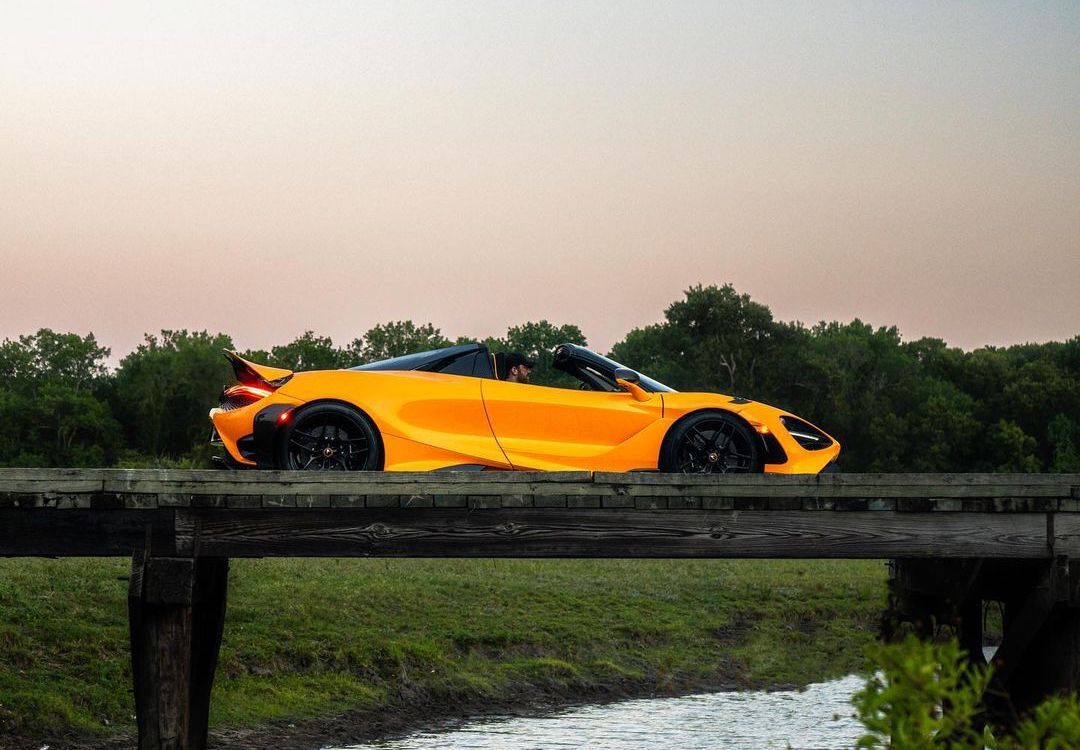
(678,487)
(57,485)
(1065,528)
(84,533)
(307,482)
(840,479)
(425,484)
(553,532)
(122,476)
(183,486)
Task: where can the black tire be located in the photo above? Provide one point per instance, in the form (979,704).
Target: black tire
(328,437)
(711,442)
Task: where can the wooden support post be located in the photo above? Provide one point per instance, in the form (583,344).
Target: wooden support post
(1040,651)
(176,608)
(928,594)
(208,623)
(1051,664)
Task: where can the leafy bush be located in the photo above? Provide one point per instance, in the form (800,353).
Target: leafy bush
(927,695)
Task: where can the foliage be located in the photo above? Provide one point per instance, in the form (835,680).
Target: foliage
(929,695)
(395,339)
(901,705)
(537,341)
(164,388)
(894,405)
(308,352)
(53,402)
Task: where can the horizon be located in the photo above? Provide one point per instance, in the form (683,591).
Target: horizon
(267,170)
(114,357)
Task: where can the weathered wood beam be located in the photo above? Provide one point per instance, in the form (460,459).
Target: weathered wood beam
(176,610)
(591,533)
(207,626)
(159,616)
(85,533)
(524,532)
(169,482)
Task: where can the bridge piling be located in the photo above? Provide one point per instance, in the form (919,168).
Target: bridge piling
(1039,652)
(176,615)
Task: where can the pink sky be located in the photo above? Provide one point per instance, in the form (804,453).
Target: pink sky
(266,168)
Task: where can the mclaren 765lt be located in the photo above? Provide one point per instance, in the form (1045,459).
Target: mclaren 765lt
(450,409)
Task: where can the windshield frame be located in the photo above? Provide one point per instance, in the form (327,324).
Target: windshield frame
(569,357)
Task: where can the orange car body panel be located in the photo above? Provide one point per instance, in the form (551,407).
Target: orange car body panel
(552,429)
(431,421)
(442,413)
(761,417)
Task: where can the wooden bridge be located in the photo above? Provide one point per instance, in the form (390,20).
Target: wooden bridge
(959,540)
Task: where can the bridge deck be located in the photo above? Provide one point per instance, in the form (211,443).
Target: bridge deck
(103,512)
(180,528)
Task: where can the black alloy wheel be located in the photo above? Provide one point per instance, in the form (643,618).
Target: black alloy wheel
(711,443)
(329,437)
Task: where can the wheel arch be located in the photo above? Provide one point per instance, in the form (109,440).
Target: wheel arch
(698,412)
(299,410)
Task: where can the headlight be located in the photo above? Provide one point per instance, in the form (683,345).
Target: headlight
(805,434)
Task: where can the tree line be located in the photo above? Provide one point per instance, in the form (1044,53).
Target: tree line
(895,405)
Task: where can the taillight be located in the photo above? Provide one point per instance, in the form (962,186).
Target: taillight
(241,395)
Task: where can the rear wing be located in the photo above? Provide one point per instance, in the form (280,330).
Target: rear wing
(250,373)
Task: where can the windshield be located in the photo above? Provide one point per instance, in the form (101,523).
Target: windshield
(648,383)
(595,371)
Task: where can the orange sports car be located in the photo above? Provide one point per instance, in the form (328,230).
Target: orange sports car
(450,409)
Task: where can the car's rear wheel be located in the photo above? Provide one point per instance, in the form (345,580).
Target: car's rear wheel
(712,442)
(329,437)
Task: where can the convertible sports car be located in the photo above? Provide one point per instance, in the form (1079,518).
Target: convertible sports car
(449,409)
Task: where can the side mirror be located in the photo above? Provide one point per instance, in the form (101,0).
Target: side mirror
(630,382)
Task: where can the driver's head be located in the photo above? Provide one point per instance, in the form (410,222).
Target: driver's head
(517,367)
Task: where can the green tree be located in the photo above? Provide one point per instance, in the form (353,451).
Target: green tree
(395,339)
(308,352)
(715,340)
(537,341)
(647,350)
(899,705)
(1064,440)
(53,402)
(858,383)
(1009,448)
(165,387)
(722,339)
(923,696)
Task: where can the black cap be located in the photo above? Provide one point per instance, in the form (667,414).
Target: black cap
(513,359)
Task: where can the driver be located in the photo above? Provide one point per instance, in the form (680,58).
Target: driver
(517,367)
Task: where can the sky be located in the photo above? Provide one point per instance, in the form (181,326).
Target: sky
(266,168)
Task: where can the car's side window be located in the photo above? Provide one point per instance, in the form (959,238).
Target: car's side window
(474,364)
(585,378)
(461,366)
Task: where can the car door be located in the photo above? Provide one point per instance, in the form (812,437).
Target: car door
(552,429)
(427,420)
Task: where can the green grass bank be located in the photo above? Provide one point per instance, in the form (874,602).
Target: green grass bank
(344,649)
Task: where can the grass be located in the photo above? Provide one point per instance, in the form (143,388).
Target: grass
(315,638)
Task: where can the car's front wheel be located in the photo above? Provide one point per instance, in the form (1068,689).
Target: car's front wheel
(328,437)
(712,442)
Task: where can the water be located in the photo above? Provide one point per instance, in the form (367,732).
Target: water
(817,718)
